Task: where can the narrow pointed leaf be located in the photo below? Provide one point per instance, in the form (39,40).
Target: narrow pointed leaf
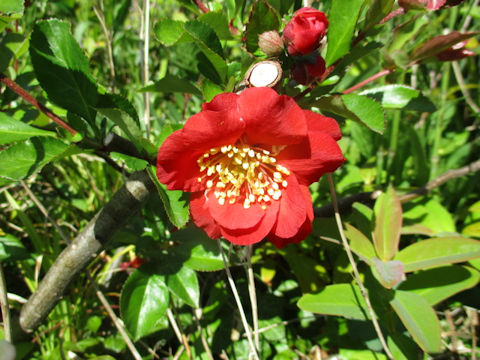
(376,12)
(438,251)
(359,243)
(340,299)
(419,318)
(342,17)
(12,130)
(388,224)
(439,43)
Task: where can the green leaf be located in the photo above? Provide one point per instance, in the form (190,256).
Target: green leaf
(174,201)
(342,17)
(440,283)
(62,68)
(419,318)
(12,249)
(263,18)
(218,21)
(199,251)
(431,215)
(172,83)
(11,7)
(388,273)
(144,300)
(400,97)
(376,12)
(180,280)
(210,90)
(438,251)
(359,243)
(21,160)
(15,130)
(12,47)
(340,300)
(388,224)
(169,31)
(355,107)
(208,42)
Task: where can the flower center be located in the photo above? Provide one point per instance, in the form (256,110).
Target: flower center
(241,173)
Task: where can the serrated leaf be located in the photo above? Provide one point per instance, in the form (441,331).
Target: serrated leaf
(62,68)
(400,97)
(342,17)
(440,283)
(169,31)
(144,300)
(218,21)
(388,273)
(419,318)
(172,83)
(438,44)
(340,300)
(263,17)
(388,224)
(11,248)
(174,201)
(21,160)
(12,130)
(438,251)
(359,243)
(199,251)
(355,107)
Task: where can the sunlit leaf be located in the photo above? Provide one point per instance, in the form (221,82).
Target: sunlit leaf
(262,18)
(12,130)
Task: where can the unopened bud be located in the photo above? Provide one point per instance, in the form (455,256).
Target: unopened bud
(270,43)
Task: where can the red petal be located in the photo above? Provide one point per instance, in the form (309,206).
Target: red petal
(318,122)
(293,210)
(225,101)
(271,118)
(234,216)
(258,232)
(304,230)
(177,157)
(201,216)
(313,158)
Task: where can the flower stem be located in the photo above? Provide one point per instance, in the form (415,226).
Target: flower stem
(253,297)
(4,305)
(239,303)
(25,95)
(357,278)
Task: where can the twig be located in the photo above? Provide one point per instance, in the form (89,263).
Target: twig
(357,277)
(197,314)
(7,329)
(25,95)
(468,19)
(201,6)
(369,197)
(239,303)
(118,324)
(370,79)
(175,328)
(253,296)
(463,88)
(146,44)
(108,37)
(78,254)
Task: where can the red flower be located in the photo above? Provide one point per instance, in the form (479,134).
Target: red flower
(247,160)
(305,72)
(304,31)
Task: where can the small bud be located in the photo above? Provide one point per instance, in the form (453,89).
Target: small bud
(455,52)
(270,43)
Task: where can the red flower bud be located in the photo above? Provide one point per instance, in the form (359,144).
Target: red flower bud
(456,52)
(306,72)
(304,31)
(270,43)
